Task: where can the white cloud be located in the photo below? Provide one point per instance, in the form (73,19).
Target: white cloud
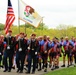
(55,12)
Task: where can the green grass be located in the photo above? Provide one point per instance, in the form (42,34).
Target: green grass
(65,71)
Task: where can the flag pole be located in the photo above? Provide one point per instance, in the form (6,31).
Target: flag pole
(25,28)
(19,21)
(18,17)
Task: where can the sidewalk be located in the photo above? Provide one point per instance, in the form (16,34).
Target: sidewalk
(13,72)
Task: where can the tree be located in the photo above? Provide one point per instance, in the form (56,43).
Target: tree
(1,27)
(62,29)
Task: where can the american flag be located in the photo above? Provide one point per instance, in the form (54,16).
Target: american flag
(10,17)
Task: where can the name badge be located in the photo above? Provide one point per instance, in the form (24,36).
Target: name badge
(32,49)
(8,47)
(35,53)
(0,54)
(28,48)
(20,49)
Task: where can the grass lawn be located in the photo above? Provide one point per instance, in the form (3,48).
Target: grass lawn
(65,71)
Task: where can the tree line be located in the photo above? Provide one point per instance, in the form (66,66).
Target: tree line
(59,31)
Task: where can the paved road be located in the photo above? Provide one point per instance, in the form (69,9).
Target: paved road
(13,72)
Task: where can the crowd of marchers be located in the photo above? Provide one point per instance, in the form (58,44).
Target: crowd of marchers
(19,51)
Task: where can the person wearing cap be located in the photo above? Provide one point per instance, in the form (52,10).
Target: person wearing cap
(21,52)
(33,47)
(9,51)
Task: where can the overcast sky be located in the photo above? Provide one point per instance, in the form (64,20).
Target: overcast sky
(55,12)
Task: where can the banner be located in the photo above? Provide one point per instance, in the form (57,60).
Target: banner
(28,14)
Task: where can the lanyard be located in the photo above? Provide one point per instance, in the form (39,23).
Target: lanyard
(55,46)
(45,45)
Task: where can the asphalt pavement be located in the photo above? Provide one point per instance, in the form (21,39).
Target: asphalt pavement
(13,72)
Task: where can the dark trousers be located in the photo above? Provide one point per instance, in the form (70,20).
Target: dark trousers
(75,59)
(8,56)
(0,59)
(20,58)
(30,59)
(44,59)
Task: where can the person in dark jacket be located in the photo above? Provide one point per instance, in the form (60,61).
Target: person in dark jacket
(21,52)
(33,47)
(9,51)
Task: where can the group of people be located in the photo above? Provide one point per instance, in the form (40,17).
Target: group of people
(19,51)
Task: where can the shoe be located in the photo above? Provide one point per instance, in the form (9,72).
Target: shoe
(13,67)
(45,70)
(50,66)
(39,69)
(56,67)
(68,66)
(42,67)
(33,72)
(21,72)
(74,65)
(71,64)
(18,70)
(27,72)
(63,66)
(9,70)
(5,70)
(2,66)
